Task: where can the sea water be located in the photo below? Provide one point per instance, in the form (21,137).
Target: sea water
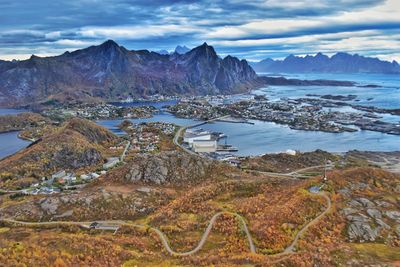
(269,137)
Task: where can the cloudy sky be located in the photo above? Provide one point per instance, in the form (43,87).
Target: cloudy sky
(248,29)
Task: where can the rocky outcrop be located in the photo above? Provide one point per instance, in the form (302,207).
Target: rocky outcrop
(167,167)
(112,72)
(365,219)
(360,230)
(68,158)
(50,205)
(92,132)
(394,215)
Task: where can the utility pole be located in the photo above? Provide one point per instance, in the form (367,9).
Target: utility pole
(325,177)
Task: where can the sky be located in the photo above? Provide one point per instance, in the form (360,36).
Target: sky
(253,30)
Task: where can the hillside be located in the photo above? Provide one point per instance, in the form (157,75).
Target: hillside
(112,72)
(21,121)
(359,223)
(320,63)
(76,144)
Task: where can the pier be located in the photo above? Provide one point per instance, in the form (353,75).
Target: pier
(184,128)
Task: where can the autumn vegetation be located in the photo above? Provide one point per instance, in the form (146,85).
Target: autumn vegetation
(275,208)
(75,145)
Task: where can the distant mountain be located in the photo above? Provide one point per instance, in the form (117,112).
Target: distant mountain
(181,49)
(111,72)
(338,63)
(162,52)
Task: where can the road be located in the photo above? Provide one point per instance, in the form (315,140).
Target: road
(124,152)
(205,235)
(293,174)
(183,128)
(115,224)
(292,246)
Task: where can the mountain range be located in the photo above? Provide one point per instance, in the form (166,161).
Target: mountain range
(111,72)
(320,63)
(179,50)
(182,49)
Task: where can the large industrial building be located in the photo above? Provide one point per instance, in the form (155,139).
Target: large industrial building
(196,135)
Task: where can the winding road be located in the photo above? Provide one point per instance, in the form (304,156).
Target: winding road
(107,225)
(293,174)
(205,235)
(122,158)
(292,246)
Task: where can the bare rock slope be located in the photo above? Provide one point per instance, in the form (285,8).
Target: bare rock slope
(171,166)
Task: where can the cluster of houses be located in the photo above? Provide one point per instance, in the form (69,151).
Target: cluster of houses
(310,114)
(99,111)
(146,136)
(68,180)
(165,127)
(60,179)
(145,141)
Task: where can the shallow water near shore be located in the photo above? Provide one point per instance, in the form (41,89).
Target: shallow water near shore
(10,144)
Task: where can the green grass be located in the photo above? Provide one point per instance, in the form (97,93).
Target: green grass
(4,229)
(380,252)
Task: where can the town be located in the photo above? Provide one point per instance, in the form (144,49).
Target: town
(98,111)
(139,138)
(65,180)
(309,114)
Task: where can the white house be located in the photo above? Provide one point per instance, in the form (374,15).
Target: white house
(85,177)
(111,162)
(291,152)
(204,146)
(94,175)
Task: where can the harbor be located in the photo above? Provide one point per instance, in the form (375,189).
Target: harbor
(207,142)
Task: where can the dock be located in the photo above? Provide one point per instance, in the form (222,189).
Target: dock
(235,120)
(227,148)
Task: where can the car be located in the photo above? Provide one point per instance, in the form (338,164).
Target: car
(93,225)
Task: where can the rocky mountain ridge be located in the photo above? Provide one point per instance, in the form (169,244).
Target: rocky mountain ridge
(181,49)
(320,63)
(112,72)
